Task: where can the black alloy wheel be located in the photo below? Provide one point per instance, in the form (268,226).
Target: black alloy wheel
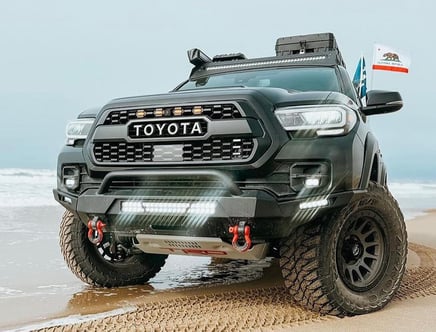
(361,249)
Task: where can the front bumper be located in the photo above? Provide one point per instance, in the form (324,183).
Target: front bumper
(268,217)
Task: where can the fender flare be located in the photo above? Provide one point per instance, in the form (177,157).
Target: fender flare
(372,155)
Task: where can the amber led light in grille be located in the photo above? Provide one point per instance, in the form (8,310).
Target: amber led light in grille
(158,112)
(140,114)
(178,111)
(197,110)
(215,112)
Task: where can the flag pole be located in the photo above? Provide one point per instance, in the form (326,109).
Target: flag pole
(372,67)
(361,70)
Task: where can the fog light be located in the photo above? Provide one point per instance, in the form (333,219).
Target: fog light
(67,200)
(314,204)
(312,182)
(71,183)
(310,175)
(71,177)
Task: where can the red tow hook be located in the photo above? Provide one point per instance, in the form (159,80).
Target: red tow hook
(241,237)
(95,230)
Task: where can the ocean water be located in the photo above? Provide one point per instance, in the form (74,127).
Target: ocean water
(27,187)
(33,187)
(414,198)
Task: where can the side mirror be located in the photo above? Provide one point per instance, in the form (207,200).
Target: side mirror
(379,102)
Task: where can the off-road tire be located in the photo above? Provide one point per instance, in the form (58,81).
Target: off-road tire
(88,264)
(316,257)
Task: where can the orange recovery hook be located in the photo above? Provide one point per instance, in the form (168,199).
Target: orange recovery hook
(95,230)
(241,236)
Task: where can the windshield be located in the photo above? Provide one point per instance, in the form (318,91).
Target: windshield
(300,79)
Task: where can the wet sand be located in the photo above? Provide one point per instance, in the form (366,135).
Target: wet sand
(217,298)
(36,285)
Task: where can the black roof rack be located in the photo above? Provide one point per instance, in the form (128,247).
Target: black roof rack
(312,49)
(229,57)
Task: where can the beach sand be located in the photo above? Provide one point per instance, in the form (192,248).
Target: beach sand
(258,303)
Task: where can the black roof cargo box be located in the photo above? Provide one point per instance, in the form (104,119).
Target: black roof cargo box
(304,44)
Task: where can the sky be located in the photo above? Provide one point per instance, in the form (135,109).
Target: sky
(58,58)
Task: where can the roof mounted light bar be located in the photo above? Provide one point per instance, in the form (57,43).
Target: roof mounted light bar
(266,63)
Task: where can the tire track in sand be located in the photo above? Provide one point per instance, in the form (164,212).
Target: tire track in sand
(248,309)
(419,281)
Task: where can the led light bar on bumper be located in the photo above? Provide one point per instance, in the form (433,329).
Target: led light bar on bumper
(78,129)
(165,208)
(324,120)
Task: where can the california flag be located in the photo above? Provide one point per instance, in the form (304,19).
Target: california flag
(386,58)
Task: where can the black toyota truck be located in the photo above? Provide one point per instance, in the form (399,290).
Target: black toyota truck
(247,159)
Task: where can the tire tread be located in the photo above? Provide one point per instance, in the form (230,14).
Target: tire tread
(85,267)
(303,256)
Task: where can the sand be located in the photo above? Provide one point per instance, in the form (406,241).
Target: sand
(257,305)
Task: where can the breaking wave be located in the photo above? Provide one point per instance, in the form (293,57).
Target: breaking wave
(26,187)
(33,187)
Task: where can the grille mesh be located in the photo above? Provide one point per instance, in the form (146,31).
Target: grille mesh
(213,111)
(218,149)
(123,152)
(211,150)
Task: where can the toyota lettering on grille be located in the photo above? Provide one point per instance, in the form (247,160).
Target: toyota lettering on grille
(175,128)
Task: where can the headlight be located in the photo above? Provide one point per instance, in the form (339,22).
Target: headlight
(78,129)
(324,120)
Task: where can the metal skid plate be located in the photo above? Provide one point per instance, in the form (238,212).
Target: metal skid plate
(197,246)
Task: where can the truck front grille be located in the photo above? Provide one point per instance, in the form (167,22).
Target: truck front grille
(214,149)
